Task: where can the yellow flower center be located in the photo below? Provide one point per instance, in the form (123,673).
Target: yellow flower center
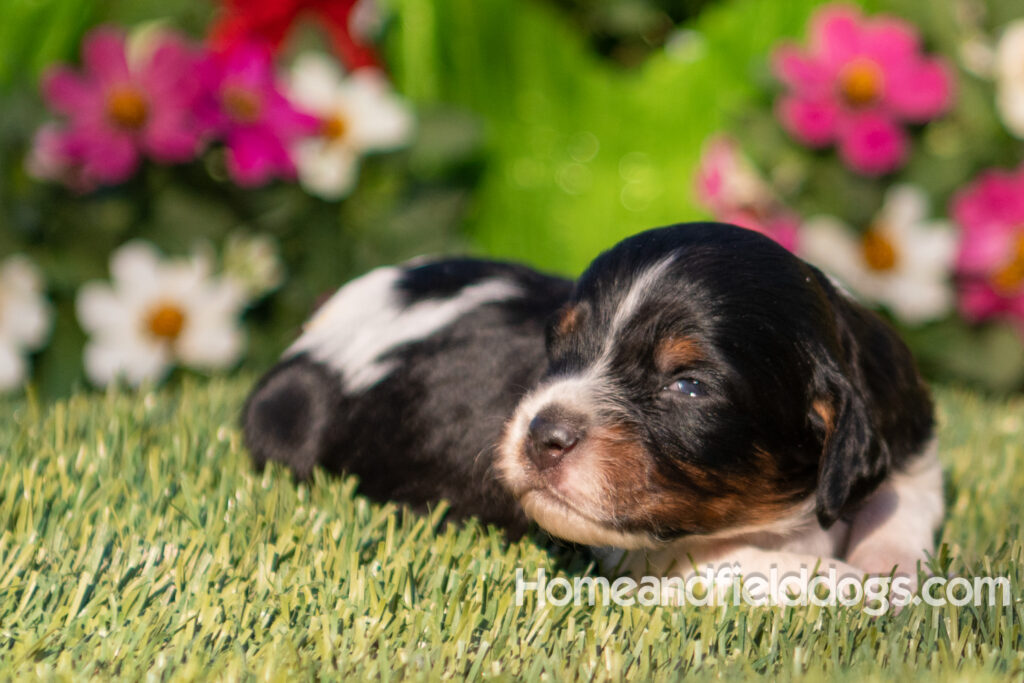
(860,82)
(334,127)
(242,104)
(878,250)
(1010,277)
(127,107)
(165,321)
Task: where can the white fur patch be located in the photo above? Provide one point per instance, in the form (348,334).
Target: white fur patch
(895,525)
(638,293)
(559,520)
(365,319)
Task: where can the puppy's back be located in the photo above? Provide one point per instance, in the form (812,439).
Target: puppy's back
(405,377)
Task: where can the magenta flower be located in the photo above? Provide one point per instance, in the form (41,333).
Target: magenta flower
(118,110)
(855,86)
(245,105)
(731,189)
(991,255)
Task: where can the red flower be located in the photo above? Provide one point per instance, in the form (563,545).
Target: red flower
(268,21)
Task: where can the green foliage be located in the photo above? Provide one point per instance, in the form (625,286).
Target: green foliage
(580,152)
(136,540)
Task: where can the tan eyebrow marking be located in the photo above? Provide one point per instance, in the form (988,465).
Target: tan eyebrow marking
(569,320)
(676,352)
(826,412)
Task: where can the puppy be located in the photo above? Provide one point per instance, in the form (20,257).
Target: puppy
(700,397)
(405,377)
(711,399)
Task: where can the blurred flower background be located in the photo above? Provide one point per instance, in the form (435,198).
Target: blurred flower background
(180,181)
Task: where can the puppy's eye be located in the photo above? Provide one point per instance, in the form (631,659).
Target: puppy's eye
(688,387)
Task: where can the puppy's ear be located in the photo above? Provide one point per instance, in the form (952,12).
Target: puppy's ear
(854,457)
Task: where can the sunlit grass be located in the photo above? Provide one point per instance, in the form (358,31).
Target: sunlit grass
(135,539)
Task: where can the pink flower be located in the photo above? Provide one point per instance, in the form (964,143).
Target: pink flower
(119,109)
(730,187)
(56,155)
(245,105)
(855,86)
(991,255)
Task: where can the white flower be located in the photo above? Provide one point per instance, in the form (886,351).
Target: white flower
(903,261)
(25,318)
(158,312)
(254,262)
(358,114)
(1009,73)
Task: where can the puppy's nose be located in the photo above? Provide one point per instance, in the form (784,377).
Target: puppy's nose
(550,437)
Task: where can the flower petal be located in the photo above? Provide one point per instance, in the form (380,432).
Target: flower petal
(12,367)
(255,156)
(171,138)
(110,156)
(905,206)
(872,144)
(989,210)
(1010,103)
(211,344)
(134,264)
(126,357)
(26,321)
(326,170)
(932,248)
(916,300)
(69,93)
(314,82)
(801,72)
(836,34)
(921,91)
(813,122)
(890,42)
(98,308)
(979,301)
(827,243)
(103,54)
(1009,56)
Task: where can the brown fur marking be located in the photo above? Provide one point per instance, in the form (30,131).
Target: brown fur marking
(568,321)
(699,500)
(677,352)
(826,412)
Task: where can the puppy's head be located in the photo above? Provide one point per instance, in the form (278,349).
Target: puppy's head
(696,386)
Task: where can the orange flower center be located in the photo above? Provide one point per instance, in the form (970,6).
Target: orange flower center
(242,104)
(860,82)
(333,127)
(878,250)
(126,107)
(165,321)
(1010,278)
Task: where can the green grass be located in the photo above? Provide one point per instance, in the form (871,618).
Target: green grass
(136,541)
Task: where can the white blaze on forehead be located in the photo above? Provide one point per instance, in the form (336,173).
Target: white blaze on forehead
(638,293)
(366,319)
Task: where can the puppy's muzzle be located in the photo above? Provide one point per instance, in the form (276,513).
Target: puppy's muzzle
(551,435)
